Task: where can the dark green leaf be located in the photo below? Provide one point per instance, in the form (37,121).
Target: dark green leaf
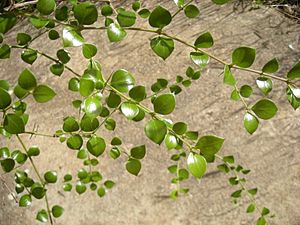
(133,166)
(138,152)
(53,35)
(67,187)
(109,184)
(180,128)
(246,91)
(110,124)
(27,80)
(251,208)
(265,109)
(89,124)
(74,84)
(204,41)
(5,99)
(265,211)
(14,124)
(271,67)
(144,13)
(23,38)
(191,11)
(7,21)
(253,191)
(156,131)
(294,72)
(50,176)
(70,124)
(29,56)
(101,192)
(164,104)
(243,57)
(4,51)
(38,22)
(220,2)
(113,100)
(61,13)
(106,10)
(196,165)
(57,211)
(138,93)
(63,55)
(89,51)
(57,69)
(7,165)
(160,17)
(75,142)
(126,18)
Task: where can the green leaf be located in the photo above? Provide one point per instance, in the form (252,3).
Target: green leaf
(82,174)
(63,55)
(265,211)
(19,157)
(114,153)
(220,2)
(130,110)
(253,191)
(5,99)
(251,208)
(29,56)
(50,176)
(138,93)
(75,142)
(126,18)
(138,152)
(53,35)
(110,124)
(42,216)
(192,135)
(70,124)
(109,184)
(4,84)
(61,13)
(86,13)
(122,80)
(180,128)
(96,146)
(74,84)
(23,38)
(43,93)
(265,109)
(196,165)
(14,124)
(235,95)
(210,145)
(7,21)
(171,141)
(87,85)
(293,95)
(113,100)
(67,187)
(271,67)
(7,165)
(250,123)
(204,41)
(38,22)
(199,59)
(264,84)
(136,5)
(183,174)
(72,37)
(179,3)
(133,166)
(115,32)
(57,69)
(93,106)
(116,141)
(164,104)
(57,211)
(25,200)
(144,13)
(4,51)
(106,10)
(89,51)
(294,72)
(156,131)
(236,194)
(101,192)
(46,7)
(246,91)
(191,11)
(67,177)
(38,191)
(228,76)
(163,47)
(4,153)
(27,80)
(243,57)
(89,124)
(261,221)
(160,17)
(80,188)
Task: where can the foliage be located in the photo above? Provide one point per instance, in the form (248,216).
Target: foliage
(101,96)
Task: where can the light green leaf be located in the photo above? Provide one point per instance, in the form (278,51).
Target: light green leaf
(264,84)
(106,10)
(130,110)
(180,128)
(43,93)
(199,59)
(89,51)
(96,146)
(70,124)
(179,3)
(115,32)
(86,13)
(133,166)
(23,38)
(220,2)
(246,91)
(122,80)
(27,80)
(164,104)
(243,57)
(156,131)
(250,123)
(75,142)
(196,165)
(265,109)
(93,106)
(57,211)
(80,188)
(251,208)
(294,72)
(160,17)
(25,200)
(171,141)
(50,176)
(138,93)
(228,76)
(42,216)
(163,47)
(72,37)
(101,192)
(126,18)
(4,51)
(29,56)
(210,145)
(46,7)
(5,99)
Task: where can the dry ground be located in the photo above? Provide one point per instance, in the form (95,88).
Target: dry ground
(272,152)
